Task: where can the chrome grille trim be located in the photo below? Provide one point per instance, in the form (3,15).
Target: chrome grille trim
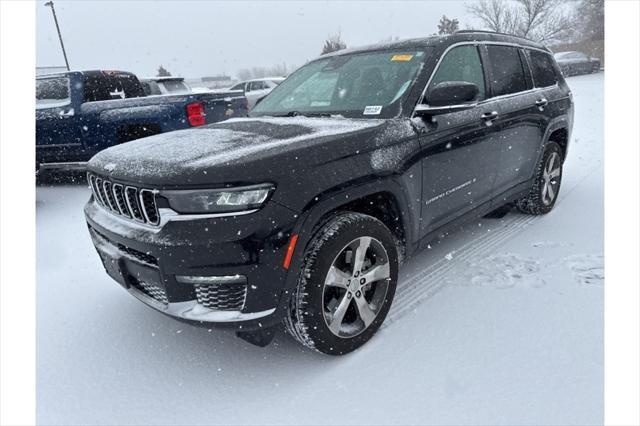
(92,183)
(118,195)
(132,203)
(108,195)
(150,216)
(99,189)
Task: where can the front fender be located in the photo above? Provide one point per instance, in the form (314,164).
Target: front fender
(310,218)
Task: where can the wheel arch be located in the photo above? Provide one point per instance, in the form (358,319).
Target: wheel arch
(382,199)
(559,132)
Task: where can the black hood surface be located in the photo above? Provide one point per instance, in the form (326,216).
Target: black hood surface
(187,156)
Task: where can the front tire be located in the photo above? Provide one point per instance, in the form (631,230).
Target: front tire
(346,284)
(544,192)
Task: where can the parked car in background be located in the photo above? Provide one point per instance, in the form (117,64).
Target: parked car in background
(258,88)
(302,212)
(574,63)
(164,85)
(79,113)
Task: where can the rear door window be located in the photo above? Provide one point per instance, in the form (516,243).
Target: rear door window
(461,64)
(507,70)
(258,85)
(52,92)
(544,72)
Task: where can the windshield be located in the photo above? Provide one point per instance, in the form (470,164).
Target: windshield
(51,92)
(357,85)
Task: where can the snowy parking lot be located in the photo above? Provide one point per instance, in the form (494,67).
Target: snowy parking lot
(499,322)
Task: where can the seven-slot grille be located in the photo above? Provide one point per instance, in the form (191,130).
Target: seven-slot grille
(222,297)
(128,201)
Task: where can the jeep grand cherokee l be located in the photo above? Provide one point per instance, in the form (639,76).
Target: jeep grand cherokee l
(301,213)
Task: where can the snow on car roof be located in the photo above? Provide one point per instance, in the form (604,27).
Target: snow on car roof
(448,39)
(164,78)
(262,79)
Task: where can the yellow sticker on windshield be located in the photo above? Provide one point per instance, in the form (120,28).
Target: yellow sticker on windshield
(402,58)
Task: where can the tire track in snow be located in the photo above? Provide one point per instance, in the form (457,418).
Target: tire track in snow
(421,286)
(415,289)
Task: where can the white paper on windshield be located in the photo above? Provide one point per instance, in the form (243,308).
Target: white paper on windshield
(372,110)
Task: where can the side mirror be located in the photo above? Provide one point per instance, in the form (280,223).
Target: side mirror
(448,96)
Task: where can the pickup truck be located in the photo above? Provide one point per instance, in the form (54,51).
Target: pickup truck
(80,113)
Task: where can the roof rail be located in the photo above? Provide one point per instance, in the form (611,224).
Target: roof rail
(490,32)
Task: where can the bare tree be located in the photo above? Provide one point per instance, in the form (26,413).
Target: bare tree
(333,43)
(539,20)
(448,26)
(590,19)
(162,72)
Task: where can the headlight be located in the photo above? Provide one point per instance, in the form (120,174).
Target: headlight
(218,200)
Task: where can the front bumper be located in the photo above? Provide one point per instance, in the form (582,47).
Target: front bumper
(149,261)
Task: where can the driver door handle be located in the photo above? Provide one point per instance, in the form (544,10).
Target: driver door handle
(66,114)
(488,117)
(542,102)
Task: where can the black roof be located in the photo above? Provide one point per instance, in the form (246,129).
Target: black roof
(89,73)
(457,37)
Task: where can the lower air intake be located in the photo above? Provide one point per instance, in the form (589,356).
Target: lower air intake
(151,290)
(222,297)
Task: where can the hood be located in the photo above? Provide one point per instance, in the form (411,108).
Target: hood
(234,150)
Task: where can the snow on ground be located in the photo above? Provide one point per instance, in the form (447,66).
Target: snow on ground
(500,322)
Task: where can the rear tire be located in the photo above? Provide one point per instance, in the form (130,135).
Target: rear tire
(544,191)
(346,284)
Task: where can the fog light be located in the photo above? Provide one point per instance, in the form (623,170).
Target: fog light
(206,280)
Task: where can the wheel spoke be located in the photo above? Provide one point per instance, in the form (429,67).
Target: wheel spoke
(554,173)
(361,251)
(551,192)
(551,163)
(545,190)
(377,273)
(367,315)
(336,278)
(338,314)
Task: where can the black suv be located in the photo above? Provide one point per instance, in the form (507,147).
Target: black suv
(301,213)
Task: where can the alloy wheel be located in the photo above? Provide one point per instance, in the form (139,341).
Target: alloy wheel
(355,287)
(550,181)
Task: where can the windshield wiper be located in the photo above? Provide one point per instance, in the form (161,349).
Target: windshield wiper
(305,114)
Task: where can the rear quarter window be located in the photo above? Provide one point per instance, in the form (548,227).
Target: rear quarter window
(507,71)
(543,69)
(107,86)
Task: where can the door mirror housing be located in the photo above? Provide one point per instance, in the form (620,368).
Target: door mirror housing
(448,96)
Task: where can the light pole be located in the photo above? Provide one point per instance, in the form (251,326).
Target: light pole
(50,3)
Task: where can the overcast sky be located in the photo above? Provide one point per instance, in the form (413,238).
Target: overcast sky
(203,38)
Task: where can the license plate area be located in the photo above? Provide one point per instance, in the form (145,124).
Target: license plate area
(124,269)
(111,260)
